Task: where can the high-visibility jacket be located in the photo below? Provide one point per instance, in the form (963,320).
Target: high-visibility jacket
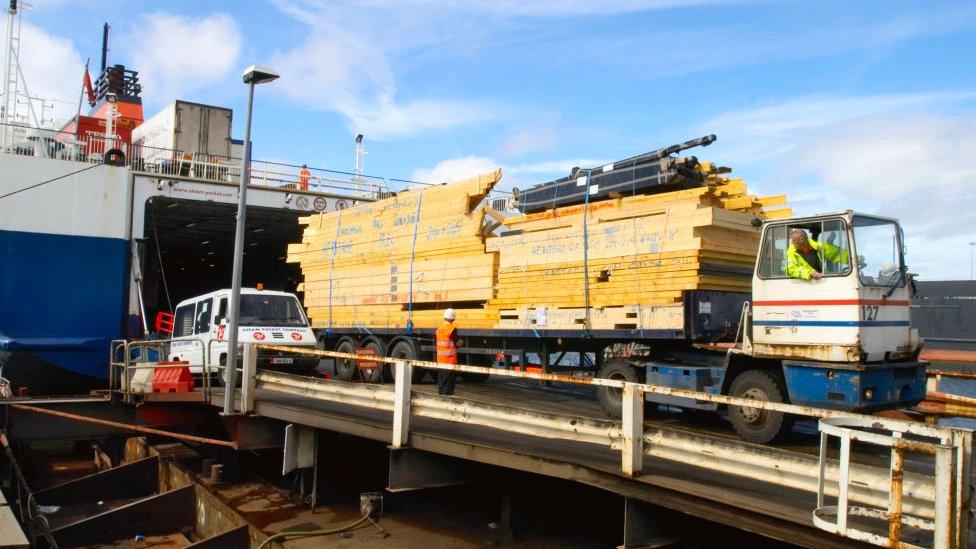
(304,174)
(446,343)
(798,267)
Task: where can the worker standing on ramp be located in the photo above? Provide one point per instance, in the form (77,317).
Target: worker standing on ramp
(304,176)
(446,341)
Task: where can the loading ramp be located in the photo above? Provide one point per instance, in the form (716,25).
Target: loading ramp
(699,471)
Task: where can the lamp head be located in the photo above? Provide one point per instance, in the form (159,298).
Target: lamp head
(258,74)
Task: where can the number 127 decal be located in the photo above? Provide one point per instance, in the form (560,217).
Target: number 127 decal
(869,312)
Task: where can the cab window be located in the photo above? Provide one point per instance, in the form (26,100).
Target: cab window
(830,248)
(204,314)
(879,251)
(183,321)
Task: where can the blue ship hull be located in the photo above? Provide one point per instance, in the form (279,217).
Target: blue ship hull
(62,301)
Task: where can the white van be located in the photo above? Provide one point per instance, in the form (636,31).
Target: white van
(200,324)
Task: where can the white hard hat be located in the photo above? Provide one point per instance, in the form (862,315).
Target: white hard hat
(449,314)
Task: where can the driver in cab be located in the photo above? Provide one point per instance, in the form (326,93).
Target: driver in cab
(806,257)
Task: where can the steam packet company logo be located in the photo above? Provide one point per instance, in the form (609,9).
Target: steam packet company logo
(320,204)
(302,202)
(340,204)
(259,336)
(296,336)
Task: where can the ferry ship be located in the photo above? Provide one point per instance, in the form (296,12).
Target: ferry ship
(110,219)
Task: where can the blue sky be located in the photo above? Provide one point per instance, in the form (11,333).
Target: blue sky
(868,105)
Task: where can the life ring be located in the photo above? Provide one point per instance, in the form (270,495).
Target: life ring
(115,157)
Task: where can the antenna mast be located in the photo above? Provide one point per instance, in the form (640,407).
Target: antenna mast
(14,84)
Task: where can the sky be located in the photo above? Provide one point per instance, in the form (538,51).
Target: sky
(865,105)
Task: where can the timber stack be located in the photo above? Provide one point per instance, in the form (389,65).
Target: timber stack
(616,262)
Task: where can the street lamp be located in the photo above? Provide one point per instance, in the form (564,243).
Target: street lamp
(972,261)
(253,75)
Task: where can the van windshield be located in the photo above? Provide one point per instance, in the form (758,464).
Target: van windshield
(271,311)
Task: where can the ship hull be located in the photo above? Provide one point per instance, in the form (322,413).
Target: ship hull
(61,301)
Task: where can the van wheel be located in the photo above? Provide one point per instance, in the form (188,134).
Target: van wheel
(610,398)
(373,375)
(345,368)
(406,349)
(753,424)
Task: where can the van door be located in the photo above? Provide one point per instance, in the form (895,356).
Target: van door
(219,331)
(201,328)
(185,346)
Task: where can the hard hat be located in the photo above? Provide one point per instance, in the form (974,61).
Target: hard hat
(449,314)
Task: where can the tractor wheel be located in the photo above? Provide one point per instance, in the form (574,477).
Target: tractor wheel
(754,424)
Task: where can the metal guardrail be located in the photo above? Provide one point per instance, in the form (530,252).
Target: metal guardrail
(122,370)
(946,486)
(923,496)
(92,148)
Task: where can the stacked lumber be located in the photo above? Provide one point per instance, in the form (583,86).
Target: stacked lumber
(400,259)
(405,259)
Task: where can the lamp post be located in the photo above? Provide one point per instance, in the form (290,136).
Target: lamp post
(972,260)
(253,76)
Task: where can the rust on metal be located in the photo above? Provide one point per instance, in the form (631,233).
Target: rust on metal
(125,426)
(948,355)
(895,495)
(949,373)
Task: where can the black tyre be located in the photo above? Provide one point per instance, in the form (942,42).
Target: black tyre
(610,398)
(407,350)
(373,375)
(345,368)
(755,425)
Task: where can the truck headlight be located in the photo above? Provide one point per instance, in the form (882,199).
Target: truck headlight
(869,394)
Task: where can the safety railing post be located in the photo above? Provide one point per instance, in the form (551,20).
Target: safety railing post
(632,429)
(944,458)
(402,376)
(249,366)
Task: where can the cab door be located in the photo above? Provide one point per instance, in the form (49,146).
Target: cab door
(800,318)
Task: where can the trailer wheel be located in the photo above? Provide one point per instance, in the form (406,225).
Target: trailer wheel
(406,349)
(373,375)
(610,398)
(753,424)
(345,368)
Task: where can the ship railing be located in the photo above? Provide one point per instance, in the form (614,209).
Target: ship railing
(95,147)
(927,504)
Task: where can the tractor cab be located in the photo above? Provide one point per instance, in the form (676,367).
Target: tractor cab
(832,288)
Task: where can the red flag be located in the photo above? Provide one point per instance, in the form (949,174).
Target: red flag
(88,88)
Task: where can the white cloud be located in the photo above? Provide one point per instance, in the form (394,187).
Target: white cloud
(767,131)
(532,139)
(342,68)
(53,70)
(176,55)
(455,169)
(897,155)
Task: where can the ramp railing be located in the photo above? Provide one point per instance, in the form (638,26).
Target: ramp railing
(927,496)
(131,357)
